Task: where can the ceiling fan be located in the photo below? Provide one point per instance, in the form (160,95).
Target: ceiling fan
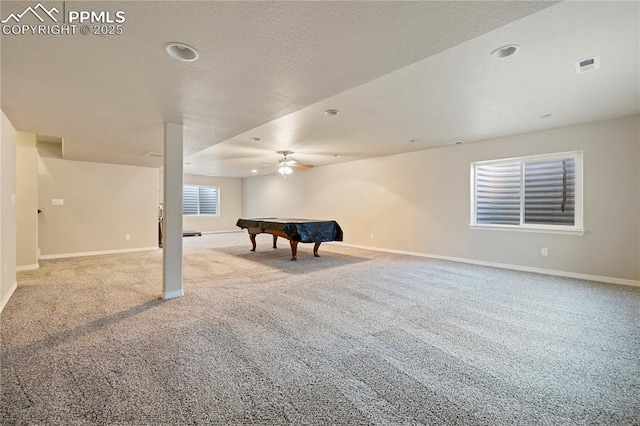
(286,164)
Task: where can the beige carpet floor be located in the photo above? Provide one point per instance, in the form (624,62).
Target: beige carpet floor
(353,337)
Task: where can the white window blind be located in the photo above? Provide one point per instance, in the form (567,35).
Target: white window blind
(199,200)
(550,192)
(190,200)
(498,193)
(538,192)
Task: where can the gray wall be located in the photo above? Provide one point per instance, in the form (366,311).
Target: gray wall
(230,199)
(102,203)
(420,202)
(27,201)
(8,141)
(230,203)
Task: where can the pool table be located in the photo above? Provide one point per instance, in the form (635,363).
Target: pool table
(295,230)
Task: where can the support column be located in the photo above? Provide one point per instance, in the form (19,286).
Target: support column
(172,198)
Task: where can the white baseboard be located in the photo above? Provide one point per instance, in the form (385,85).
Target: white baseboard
(172,294)
(27,267)
(611,280)
(96,253)
(221,232)
(6,297)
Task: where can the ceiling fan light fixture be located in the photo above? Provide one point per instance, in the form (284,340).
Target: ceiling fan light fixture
(182,52)
(331,112)
(285,170)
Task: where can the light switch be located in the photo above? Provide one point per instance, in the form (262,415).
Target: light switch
(57,202)
(13,198)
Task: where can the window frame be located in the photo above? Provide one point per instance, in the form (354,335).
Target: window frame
(576,229)
(198,214)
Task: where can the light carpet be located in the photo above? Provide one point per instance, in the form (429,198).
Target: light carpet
(354,337)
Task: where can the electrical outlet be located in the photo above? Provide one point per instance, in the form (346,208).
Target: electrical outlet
(127,236)
(544,251)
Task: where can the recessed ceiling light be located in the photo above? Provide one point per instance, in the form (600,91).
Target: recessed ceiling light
(256,139)
(181,52)
(505,51)
(414,141)
(546,115)
(454,143)
(337,155)
(331,112)
(254,171)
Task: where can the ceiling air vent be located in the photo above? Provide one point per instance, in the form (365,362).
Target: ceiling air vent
(588,64)
(152,154)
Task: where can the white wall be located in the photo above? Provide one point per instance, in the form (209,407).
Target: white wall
(27,201)
(102,203)
(420,202)
(230,204)
(8,137)
(230,199)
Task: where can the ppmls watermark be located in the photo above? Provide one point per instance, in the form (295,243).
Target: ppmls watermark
(40,20)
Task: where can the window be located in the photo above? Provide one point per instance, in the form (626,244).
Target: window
(540,193)
(199,200)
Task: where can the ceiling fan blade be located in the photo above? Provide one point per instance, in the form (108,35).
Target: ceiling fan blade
(302,166)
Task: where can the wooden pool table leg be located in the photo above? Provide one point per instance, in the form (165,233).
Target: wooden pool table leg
(252,237)
(315,249)
(275,239)
(294,249)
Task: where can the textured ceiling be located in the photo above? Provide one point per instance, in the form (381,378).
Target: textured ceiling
(396,70)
